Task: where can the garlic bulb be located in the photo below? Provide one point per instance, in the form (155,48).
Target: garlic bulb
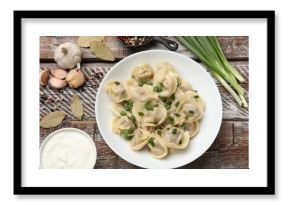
(68,55)
(75,78)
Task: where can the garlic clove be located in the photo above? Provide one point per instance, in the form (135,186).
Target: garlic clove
(43,77)
(70,75)
(56,83)
(75,78)
(58,73)
(67,55)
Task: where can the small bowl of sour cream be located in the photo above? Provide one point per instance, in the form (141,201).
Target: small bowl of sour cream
(68,148)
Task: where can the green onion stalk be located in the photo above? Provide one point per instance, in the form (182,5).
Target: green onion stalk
(208,50)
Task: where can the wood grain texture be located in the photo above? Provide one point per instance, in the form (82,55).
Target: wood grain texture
(225,152)
(60,100)
(235,48)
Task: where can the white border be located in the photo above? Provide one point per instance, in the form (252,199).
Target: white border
(255,176)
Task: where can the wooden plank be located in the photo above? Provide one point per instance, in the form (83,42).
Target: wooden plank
(233,138)
(234,47)
(51,99)
(233,161)
(241,133)
(225,152)
(229,150)
(209,160)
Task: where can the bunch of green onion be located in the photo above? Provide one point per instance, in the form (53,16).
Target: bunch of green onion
(208,50)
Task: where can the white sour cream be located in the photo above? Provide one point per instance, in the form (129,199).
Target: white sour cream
(68,148)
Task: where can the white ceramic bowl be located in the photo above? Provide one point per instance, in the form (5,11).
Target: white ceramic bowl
(68,148)
(189,70)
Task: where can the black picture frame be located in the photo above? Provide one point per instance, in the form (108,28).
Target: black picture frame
(268,190)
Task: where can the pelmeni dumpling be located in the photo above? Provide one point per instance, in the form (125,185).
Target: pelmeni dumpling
(166,79)
(194,95)
(166,66)
(191,127)
(117,91)
(191,109)
(176,138)
(130,85)
(140,93)
(185,86)
(143,93)
(154,117)
(139,139)
(161,71)
(179,97)
(143,72)
(121,123)
(150,113)
(157,147)
(169,85)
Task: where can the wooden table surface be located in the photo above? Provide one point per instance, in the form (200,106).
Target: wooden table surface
(229,150)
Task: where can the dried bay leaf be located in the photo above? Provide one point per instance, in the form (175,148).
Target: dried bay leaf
(77,107)
(101,51)
(52,119)
(84,41)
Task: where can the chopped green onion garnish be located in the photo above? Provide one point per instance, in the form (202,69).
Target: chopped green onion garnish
(168,101)
(177,103)
(174,131)
(157,89)
(133,119)
(128,105)
(191,112)
(128,137)
(167,105)
(171,120)
(144,81)
(141,113)
(151,142)
(117,83)
(172,97)
(123,113)
(197,96)
(149,106)
(127,134)
(159,131)
(177,114)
